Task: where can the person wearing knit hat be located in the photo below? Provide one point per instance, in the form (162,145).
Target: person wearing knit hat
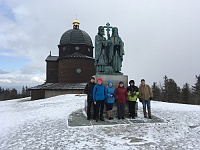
(100,79)
(89,91)
(99,95)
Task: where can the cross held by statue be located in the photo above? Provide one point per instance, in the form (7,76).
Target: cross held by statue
(108,27)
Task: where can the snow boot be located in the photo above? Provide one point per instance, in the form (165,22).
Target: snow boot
(108,114)
(94,116)
(97,118)
(149,113)
(111,117)
(101,118)
(88,116)
(145,113)
(136,113)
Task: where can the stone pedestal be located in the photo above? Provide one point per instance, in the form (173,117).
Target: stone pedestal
(116,79)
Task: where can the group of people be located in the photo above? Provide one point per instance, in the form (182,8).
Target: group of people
(98,95)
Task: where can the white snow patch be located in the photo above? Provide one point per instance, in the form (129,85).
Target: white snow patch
(14,113)
(42,124)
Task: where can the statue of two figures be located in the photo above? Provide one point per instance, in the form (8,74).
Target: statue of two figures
(108,52)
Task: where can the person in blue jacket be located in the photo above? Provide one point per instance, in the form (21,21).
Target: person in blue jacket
(110,99)
(99,96)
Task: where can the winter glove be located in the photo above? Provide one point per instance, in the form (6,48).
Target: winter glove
(140,100)
(150,98)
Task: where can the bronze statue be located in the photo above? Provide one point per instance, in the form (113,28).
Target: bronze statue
(108,52)
(100,50)
(117,51)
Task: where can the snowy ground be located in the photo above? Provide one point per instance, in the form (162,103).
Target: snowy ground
(43,124)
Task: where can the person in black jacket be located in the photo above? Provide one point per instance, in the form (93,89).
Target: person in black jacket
(89,90)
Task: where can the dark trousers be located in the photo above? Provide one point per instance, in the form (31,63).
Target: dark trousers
(120,110)
(132,108)
(90,104)
(99,106)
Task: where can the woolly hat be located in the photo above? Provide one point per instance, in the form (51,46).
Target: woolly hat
(92,78)
(131,81)
(99,79)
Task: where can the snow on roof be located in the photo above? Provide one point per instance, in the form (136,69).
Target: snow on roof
(59,86)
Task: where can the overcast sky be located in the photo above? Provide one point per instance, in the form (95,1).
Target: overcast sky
(161,37)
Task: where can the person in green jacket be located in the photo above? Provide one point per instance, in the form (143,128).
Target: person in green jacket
(145,96)
(132,98)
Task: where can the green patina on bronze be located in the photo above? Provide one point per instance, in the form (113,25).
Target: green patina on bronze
(108,52)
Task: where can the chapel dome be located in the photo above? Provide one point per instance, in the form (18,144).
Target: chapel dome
(76,36)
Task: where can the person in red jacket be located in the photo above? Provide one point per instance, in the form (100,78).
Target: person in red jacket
(121,97)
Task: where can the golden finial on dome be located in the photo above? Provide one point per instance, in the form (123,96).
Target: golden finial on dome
(76,24)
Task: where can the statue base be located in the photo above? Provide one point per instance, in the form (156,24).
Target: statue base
(113,73)
(115,77)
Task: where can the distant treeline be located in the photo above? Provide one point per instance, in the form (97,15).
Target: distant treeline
(7,94)
(170,92)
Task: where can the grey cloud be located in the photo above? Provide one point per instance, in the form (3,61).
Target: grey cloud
(3,71)
(161,37)
(29,69)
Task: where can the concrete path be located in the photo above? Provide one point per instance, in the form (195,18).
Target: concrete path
(78,118)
